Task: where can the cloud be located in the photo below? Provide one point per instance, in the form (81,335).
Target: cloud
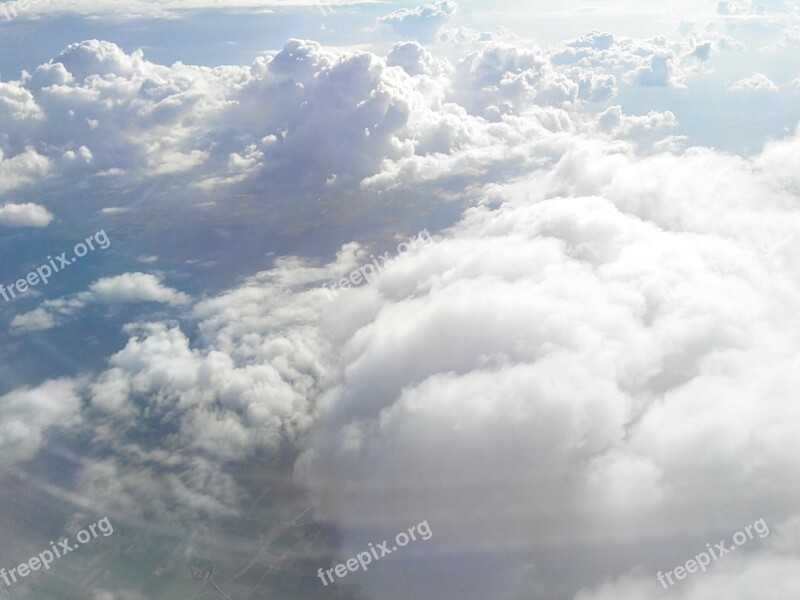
(145,8)
(755,83)
(415,60)
(421,22)
(245,388)
(598,346)
(120,289)
(703,51)
(38,319)
(28,414)
(501,78)
(629,126)
(133,287)
(24,215)
(655,62)
(658,73)
(476,363)
(734,577)
(95,112)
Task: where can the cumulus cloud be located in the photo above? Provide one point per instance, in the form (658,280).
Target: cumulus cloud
(24,215)
(22,168)
(422,22)
(133,287)
(28,414)
(97,111)
(245,388)
(125,288)
(415,60)
(658,73)
(476,363)
(479,365)
(755,83)
(655,62)
(630,126)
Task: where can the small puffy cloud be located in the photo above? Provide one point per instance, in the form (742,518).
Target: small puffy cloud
(38,319)
(134,287)
(755,83)
(25,215)
(20,169)
(422,22)
(613,120)
(598,40)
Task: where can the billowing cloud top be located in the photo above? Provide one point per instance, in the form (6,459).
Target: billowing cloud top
(422,22)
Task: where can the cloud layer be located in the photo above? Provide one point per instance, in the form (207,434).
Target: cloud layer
(586,377)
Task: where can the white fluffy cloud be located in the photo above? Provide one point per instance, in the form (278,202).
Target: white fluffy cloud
(134,287)
(422,22)
(117,119)
(477,375)
(24,215)
(755,83)
(655,62)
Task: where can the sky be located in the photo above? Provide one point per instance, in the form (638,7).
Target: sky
(283,279)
